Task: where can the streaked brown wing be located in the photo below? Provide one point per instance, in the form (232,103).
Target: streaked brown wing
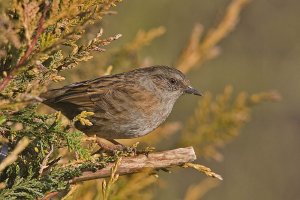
(81,94)
(105,96)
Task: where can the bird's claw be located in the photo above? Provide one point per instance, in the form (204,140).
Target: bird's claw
(145,151)
(126,150)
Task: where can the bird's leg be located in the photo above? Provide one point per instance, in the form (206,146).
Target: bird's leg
(145,151)
(133,148)
(115,147)
(115,142)
(123,147)
(111,148)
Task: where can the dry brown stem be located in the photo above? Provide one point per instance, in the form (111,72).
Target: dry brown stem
(196,192)
(29,50)
(203,169)
(129,165)
(195,52)
(143,38)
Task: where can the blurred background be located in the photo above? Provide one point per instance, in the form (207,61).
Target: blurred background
(261,54)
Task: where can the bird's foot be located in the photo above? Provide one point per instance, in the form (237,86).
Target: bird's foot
(115,148)
(120,148)
(110,148)
(145,151)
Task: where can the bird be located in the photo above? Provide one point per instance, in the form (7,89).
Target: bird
(126,105)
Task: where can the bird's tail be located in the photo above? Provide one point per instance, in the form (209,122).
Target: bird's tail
(51,95)
(50,98)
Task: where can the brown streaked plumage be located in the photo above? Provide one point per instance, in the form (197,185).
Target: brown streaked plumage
(126,105)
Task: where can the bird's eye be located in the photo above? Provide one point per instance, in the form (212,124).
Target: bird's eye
(173,81)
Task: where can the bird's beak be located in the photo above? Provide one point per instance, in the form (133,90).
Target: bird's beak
(191,90)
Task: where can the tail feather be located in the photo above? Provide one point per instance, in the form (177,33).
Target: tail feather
(51,95)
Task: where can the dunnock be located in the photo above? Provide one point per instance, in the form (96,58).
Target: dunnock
(126,105)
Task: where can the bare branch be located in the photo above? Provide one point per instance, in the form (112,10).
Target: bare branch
(129,165)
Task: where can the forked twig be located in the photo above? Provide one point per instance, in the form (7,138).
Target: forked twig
(44,164)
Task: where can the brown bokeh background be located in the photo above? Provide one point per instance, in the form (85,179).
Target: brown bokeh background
(263,53)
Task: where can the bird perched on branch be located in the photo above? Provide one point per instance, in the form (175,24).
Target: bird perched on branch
(126,105)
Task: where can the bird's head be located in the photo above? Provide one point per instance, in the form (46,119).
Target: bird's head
(170,81)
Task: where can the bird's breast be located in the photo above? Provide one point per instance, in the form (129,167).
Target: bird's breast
(152,113)
(129,114)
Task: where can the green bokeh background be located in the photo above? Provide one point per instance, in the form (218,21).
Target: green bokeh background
(262,54)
